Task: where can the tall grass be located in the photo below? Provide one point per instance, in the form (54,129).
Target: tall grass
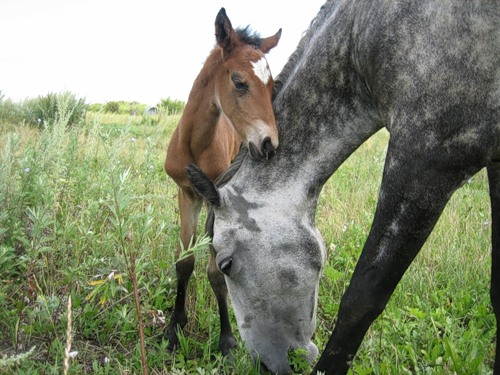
(76,203)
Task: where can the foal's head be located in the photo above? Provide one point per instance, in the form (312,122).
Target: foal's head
(244,86)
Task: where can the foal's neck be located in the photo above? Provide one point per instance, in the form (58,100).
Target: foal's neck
(202,110)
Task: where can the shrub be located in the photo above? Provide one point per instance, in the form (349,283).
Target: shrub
(132,108)
(96,107)
(120,107)
(10,112)
(51,108)
(112,107)
(171,106)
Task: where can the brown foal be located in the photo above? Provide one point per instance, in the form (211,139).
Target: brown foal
(229,104)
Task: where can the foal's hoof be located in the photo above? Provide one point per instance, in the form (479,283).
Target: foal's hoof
(173,341)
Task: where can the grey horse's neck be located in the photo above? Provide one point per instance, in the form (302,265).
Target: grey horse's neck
(323,113)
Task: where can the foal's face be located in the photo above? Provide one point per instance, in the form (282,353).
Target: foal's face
(245,98)
(244,86)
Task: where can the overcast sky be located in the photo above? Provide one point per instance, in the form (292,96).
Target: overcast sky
(145,50)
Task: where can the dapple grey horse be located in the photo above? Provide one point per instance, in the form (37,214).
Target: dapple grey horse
(427,71)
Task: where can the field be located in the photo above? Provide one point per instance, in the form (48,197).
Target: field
(86,211)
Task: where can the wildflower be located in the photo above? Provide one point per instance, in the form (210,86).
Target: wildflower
(158,317)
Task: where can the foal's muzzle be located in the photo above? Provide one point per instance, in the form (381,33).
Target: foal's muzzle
(265,152)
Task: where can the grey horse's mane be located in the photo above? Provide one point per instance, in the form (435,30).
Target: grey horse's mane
(219,182)
(304,41)
(228,174)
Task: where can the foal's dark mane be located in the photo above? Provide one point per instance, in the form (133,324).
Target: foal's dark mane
(247,36)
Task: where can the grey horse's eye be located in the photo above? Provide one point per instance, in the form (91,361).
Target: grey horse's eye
(225,265)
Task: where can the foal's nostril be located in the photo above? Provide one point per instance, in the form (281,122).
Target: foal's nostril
(268,149)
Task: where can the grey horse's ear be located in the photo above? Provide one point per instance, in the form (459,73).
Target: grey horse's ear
(203,185)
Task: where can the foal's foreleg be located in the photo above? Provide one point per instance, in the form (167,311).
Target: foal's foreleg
(189,209)
(494,181)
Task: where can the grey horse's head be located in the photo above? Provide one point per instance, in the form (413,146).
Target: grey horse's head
(273,284)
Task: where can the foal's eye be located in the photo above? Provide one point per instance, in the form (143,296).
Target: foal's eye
(239,84)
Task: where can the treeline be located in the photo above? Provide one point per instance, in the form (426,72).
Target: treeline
(46,109)
(168,106)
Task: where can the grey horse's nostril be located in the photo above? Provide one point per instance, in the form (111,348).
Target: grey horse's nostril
(225,265)
(268,149)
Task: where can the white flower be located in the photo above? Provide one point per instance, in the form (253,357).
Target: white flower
(73,354)
(158,317)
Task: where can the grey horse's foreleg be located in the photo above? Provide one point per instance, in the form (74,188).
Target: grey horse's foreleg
(218,283)
(412,198)
(494,181)
(227,340)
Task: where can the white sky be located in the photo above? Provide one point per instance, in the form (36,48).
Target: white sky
(145,50)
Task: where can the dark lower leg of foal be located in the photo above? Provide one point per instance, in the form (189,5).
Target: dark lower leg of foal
(494,182)
(184,269)
(189,209)
(227,340)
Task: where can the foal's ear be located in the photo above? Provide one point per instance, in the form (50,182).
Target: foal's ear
(270,42)
(224,32)
(203,185)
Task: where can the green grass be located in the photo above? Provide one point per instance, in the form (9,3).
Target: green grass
(77,203)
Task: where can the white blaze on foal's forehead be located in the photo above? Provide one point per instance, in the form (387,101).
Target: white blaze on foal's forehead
(261,70)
